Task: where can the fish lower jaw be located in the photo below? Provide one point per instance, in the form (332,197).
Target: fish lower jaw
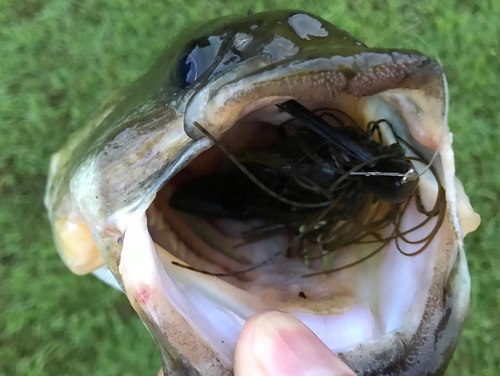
(381,298)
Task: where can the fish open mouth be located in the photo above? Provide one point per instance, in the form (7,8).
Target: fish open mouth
(178,225)
(372,301)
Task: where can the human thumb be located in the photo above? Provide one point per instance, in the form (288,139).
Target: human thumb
(277,344)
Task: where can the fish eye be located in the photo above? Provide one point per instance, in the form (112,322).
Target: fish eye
(197,59)
(187,71)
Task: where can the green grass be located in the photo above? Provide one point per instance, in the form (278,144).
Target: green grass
(60,59)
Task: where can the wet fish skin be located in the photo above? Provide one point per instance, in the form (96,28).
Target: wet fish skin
(139,139)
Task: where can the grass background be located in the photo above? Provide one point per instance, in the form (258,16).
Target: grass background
(59,59)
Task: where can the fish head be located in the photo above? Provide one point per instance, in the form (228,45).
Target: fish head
(391,315)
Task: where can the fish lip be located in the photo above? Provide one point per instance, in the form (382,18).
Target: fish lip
(358,75)
(446,309)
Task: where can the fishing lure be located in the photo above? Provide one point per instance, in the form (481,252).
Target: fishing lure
(389,175)
(329,186)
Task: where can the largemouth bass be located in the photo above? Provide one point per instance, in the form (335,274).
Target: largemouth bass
(109,190)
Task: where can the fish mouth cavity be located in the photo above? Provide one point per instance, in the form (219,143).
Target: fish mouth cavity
(381,298)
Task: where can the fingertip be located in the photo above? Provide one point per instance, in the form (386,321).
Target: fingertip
(277,344)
